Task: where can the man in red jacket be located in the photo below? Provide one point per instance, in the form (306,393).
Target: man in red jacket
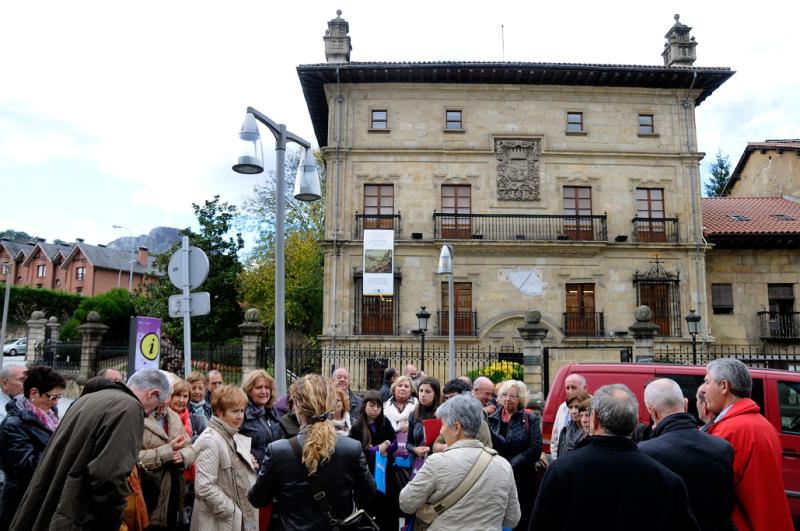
(760,502)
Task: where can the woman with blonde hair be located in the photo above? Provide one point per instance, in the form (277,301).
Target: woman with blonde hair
(517,436)
(225,470)
(398,408)
(337,465)
(341,413)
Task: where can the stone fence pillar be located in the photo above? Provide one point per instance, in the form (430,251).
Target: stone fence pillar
(643,332)
(37,332)
(92,332)
(252,336)
(533,333)
(53,328)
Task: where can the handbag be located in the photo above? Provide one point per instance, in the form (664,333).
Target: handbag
(426,514)
(151,488)
(358,521)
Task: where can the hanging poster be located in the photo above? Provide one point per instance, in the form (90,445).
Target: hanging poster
(378,262)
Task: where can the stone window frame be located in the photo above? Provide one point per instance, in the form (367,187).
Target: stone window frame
(373,121)
(652,133)
(577,132)
(460,120)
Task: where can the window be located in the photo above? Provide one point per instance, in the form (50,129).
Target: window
(646,126)
(41,270)
(783,217)
(457,202)
(463,316)
(79,291)
(722,298)
(578,212)
(453,119)
(4,269)
(649,224)
(783,322)
(574,122)
(789,405)
(380,119)
(659,290)
(80,273)
(738,217)
(378,206)
(376,315)
(579,318)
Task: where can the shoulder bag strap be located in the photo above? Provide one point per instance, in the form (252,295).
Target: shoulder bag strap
(316,488)
(478,468)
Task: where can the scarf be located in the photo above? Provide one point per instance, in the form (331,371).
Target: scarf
(188,474)
(48,418)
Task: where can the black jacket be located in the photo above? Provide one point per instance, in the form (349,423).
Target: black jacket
(386,391)
(283,478)
(23,438)
(704,462)
(606,483)
(261,425)
(520,442)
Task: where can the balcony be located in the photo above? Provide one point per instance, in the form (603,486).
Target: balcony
(780,325)
(376,221)
(519,227)
(582,324)
(464,323)
(656,230)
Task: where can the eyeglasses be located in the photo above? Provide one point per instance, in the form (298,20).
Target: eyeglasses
(507,395)
(53,398)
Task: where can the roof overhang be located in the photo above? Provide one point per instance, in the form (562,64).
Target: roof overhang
(314,77)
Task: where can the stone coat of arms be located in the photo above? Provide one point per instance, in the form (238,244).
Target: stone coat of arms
(518,169)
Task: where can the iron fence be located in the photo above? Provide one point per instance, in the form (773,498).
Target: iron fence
(656,230)
(584,324)
(464,323)
(376,221)
(226,359)
(509,227)
(779,325)
(112,356)
(786,357)
(62,356)
(553,358)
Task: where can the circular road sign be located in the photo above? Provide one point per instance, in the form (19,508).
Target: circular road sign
(149,345)
(198,268)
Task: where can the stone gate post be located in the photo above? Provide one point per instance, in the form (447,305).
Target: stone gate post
(643,332)
(533,333)
(37,332)
(92,332)
(53,328)
(252,337)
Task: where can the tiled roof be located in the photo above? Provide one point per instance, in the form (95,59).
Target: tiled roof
(313,78)
(791,144)
(108,258)
(756,215)
(13,248)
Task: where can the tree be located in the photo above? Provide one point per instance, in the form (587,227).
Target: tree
(215,218)
(305,228)
(16,236)
(115,308)
(720,170)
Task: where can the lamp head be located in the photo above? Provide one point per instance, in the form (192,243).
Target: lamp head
(306,183)
(693,322)
(422,318)
(445,260)
(250,161)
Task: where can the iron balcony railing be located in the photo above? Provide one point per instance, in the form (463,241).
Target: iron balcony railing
(519,227)
(582,324)
(780,325)
(656,230)
(464,323)
(376,221)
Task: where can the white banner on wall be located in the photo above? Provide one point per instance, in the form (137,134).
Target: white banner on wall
(378,262)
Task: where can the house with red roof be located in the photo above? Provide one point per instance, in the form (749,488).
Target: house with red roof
(753,268)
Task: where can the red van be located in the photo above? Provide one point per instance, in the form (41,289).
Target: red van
(776,392)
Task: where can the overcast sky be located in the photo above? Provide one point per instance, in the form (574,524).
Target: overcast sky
(126,113)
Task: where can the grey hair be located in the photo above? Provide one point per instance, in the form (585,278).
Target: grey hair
(345,369)
(481,380)
(617,414)
(147,379)
(8,371)
(522,391)
(734,372)
(464,409)
(664,395)
(579,377)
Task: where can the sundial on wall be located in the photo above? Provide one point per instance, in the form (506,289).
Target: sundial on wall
(527,281)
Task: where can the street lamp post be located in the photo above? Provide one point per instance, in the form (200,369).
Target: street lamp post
(131,260)
(422,318)
(693,325)
(446,268)
(8,270)
(306,188)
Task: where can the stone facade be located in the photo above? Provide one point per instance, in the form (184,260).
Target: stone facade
(767,170)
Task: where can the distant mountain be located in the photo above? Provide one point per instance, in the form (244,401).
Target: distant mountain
(159,240)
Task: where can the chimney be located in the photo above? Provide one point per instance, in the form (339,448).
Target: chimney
(79,240)
(337,42)
(679,50)
(144,254)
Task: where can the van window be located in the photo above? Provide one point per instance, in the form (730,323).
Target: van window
(690,383)
(789,405)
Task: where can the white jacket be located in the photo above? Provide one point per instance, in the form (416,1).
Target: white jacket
(495,492)
(561,419)
(396,416)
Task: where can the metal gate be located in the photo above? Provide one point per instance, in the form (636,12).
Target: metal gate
(625,356)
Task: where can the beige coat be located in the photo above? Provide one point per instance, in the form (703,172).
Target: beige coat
(224,475)
(495,492)
(156,456)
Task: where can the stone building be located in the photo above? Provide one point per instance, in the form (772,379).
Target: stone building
(769,168)
(571,189)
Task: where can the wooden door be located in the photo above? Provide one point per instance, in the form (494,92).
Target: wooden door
(457,205)
(650,224)
(578,213)
(657,298)
(463,324)
(378,202)
(579,319)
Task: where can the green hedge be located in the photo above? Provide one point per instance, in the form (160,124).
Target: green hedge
(26,300)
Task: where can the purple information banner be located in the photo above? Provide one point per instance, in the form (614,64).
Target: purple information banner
(148,343)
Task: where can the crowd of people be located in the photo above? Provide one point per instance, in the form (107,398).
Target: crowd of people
(159,452)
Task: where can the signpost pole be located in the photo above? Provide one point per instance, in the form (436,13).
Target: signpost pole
(187,308)
(9,270)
